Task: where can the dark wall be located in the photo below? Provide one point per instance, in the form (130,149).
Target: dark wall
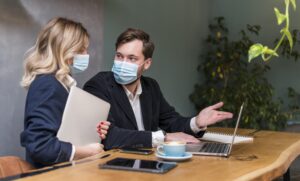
(20,22)
(178,29)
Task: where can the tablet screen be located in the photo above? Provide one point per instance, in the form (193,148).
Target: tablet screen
(139,165)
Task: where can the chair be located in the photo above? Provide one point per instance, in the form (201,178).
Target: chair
(12,165)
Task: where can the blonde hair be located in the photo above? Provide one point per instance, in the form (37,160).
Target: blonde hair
(56,44)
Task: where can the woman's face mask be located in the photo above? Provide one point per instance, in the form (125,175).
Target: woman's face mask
(80,63)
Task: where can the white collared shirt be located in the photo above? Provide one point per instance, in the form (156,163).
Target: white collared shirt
(71,81)
(157,136)
(136,106)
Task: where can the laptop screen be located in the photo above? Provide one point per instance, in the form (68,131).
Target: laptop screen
(236,126)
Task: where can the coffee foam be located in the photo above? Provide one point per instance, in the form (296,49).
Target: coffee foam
(174,143)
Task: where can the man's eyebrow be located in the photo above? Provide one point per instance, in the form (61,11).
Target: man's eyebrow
(118,53)
(132,55)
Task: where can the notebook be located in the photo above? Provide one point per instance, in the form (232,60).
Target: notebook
(225,138)
(83,111)
(215,148)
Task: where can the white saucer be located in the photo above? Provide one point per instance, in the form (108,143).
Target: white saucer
(172,158)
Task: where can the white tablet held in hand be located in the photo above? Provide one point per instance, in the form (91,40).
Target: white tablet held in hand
(83,111)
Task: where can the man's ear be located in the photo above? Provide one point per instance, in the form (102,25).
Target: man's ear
(147,64)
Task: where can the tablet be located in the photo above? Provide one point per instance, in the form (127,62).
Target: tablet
(136,151)
(138,165)
(83,111)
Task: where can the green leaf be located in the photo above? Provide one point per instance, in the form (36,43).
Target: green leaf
(267,50)
(213,74)
(280,17)
(288,34)
(286,2)
(294,4)
(254,51)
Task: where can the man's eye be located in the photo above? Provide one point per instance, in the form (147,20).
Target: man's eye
(119,57)
(133,59)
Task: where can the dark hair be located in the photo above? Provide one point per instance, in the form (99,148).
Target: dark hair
(135,34)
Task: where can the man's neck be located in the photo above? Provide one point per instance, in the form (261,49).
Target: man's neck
(133,86)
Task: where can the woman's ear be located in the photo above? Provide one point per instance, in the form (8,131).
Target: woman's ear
(70,61)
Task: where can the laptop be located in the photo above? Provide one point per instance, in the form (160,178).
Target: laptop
(83,111)
(215,148)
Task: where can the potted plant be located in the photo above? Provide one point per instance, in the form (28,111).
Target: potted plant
(230,78)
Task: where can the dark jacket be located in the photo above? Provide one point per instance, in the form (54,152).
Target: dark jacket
(156,112)
(44,108)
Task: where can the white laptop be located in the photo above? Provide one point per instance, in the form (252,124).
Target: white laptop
(83,111)
(215,148)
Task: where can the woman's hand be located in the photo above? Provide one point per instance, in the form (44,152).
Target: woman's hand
(87,150)
(102,128)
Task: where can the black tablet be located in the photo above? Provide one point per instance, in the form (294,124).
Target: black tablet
(136,151)
(138,165)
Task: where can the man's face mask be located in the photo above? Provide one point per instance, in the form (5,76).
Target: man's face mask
(124,72)
(80,63)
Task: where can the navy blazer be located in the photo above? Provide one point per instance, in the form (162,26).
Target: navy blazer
(45,103)
(156,112)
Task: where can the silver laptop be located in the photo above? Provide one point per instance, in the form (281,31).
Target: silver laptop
(215,148)
(83,111)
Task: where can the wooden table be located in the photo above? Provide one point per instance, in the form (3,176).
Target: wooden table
(268,157)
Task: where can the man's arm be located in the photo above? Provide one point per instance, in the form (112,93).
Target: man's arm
(170,120)
(120,137)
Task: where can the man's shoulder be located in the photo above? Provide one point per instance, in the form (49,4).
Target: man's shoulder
(100,81)
(148,79)
(106,75)
(149,82)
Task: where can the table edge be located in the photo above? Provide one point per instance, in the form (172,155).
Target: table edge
(281,164)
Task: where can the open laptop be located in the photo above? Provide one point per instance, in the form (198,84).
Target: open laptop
(215,148)
(83,111)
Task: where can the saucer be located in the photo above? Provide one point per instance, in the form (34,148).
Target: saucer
(186,156)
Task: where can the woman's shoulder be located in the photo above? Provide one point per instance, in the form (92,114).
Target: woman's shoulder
(45,89)
(45,77)
(46,81)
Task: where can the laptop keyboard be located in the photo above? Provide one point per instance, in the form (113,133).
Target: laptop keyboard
(214,148)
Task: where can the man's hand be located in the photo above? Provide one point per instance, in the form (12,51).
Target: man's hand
(210,115)
(179,136)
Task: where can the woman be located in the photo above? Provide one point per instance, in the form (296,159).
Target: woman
(60,50)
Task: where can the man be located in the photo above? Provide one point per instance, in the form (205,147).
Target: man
(140,115)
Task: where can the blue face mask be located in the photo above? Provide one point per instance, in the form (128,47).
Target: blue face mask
(80,63)
(124,72)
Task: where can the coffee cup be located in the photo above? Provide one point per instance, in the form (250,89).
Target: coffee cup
(172,148)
